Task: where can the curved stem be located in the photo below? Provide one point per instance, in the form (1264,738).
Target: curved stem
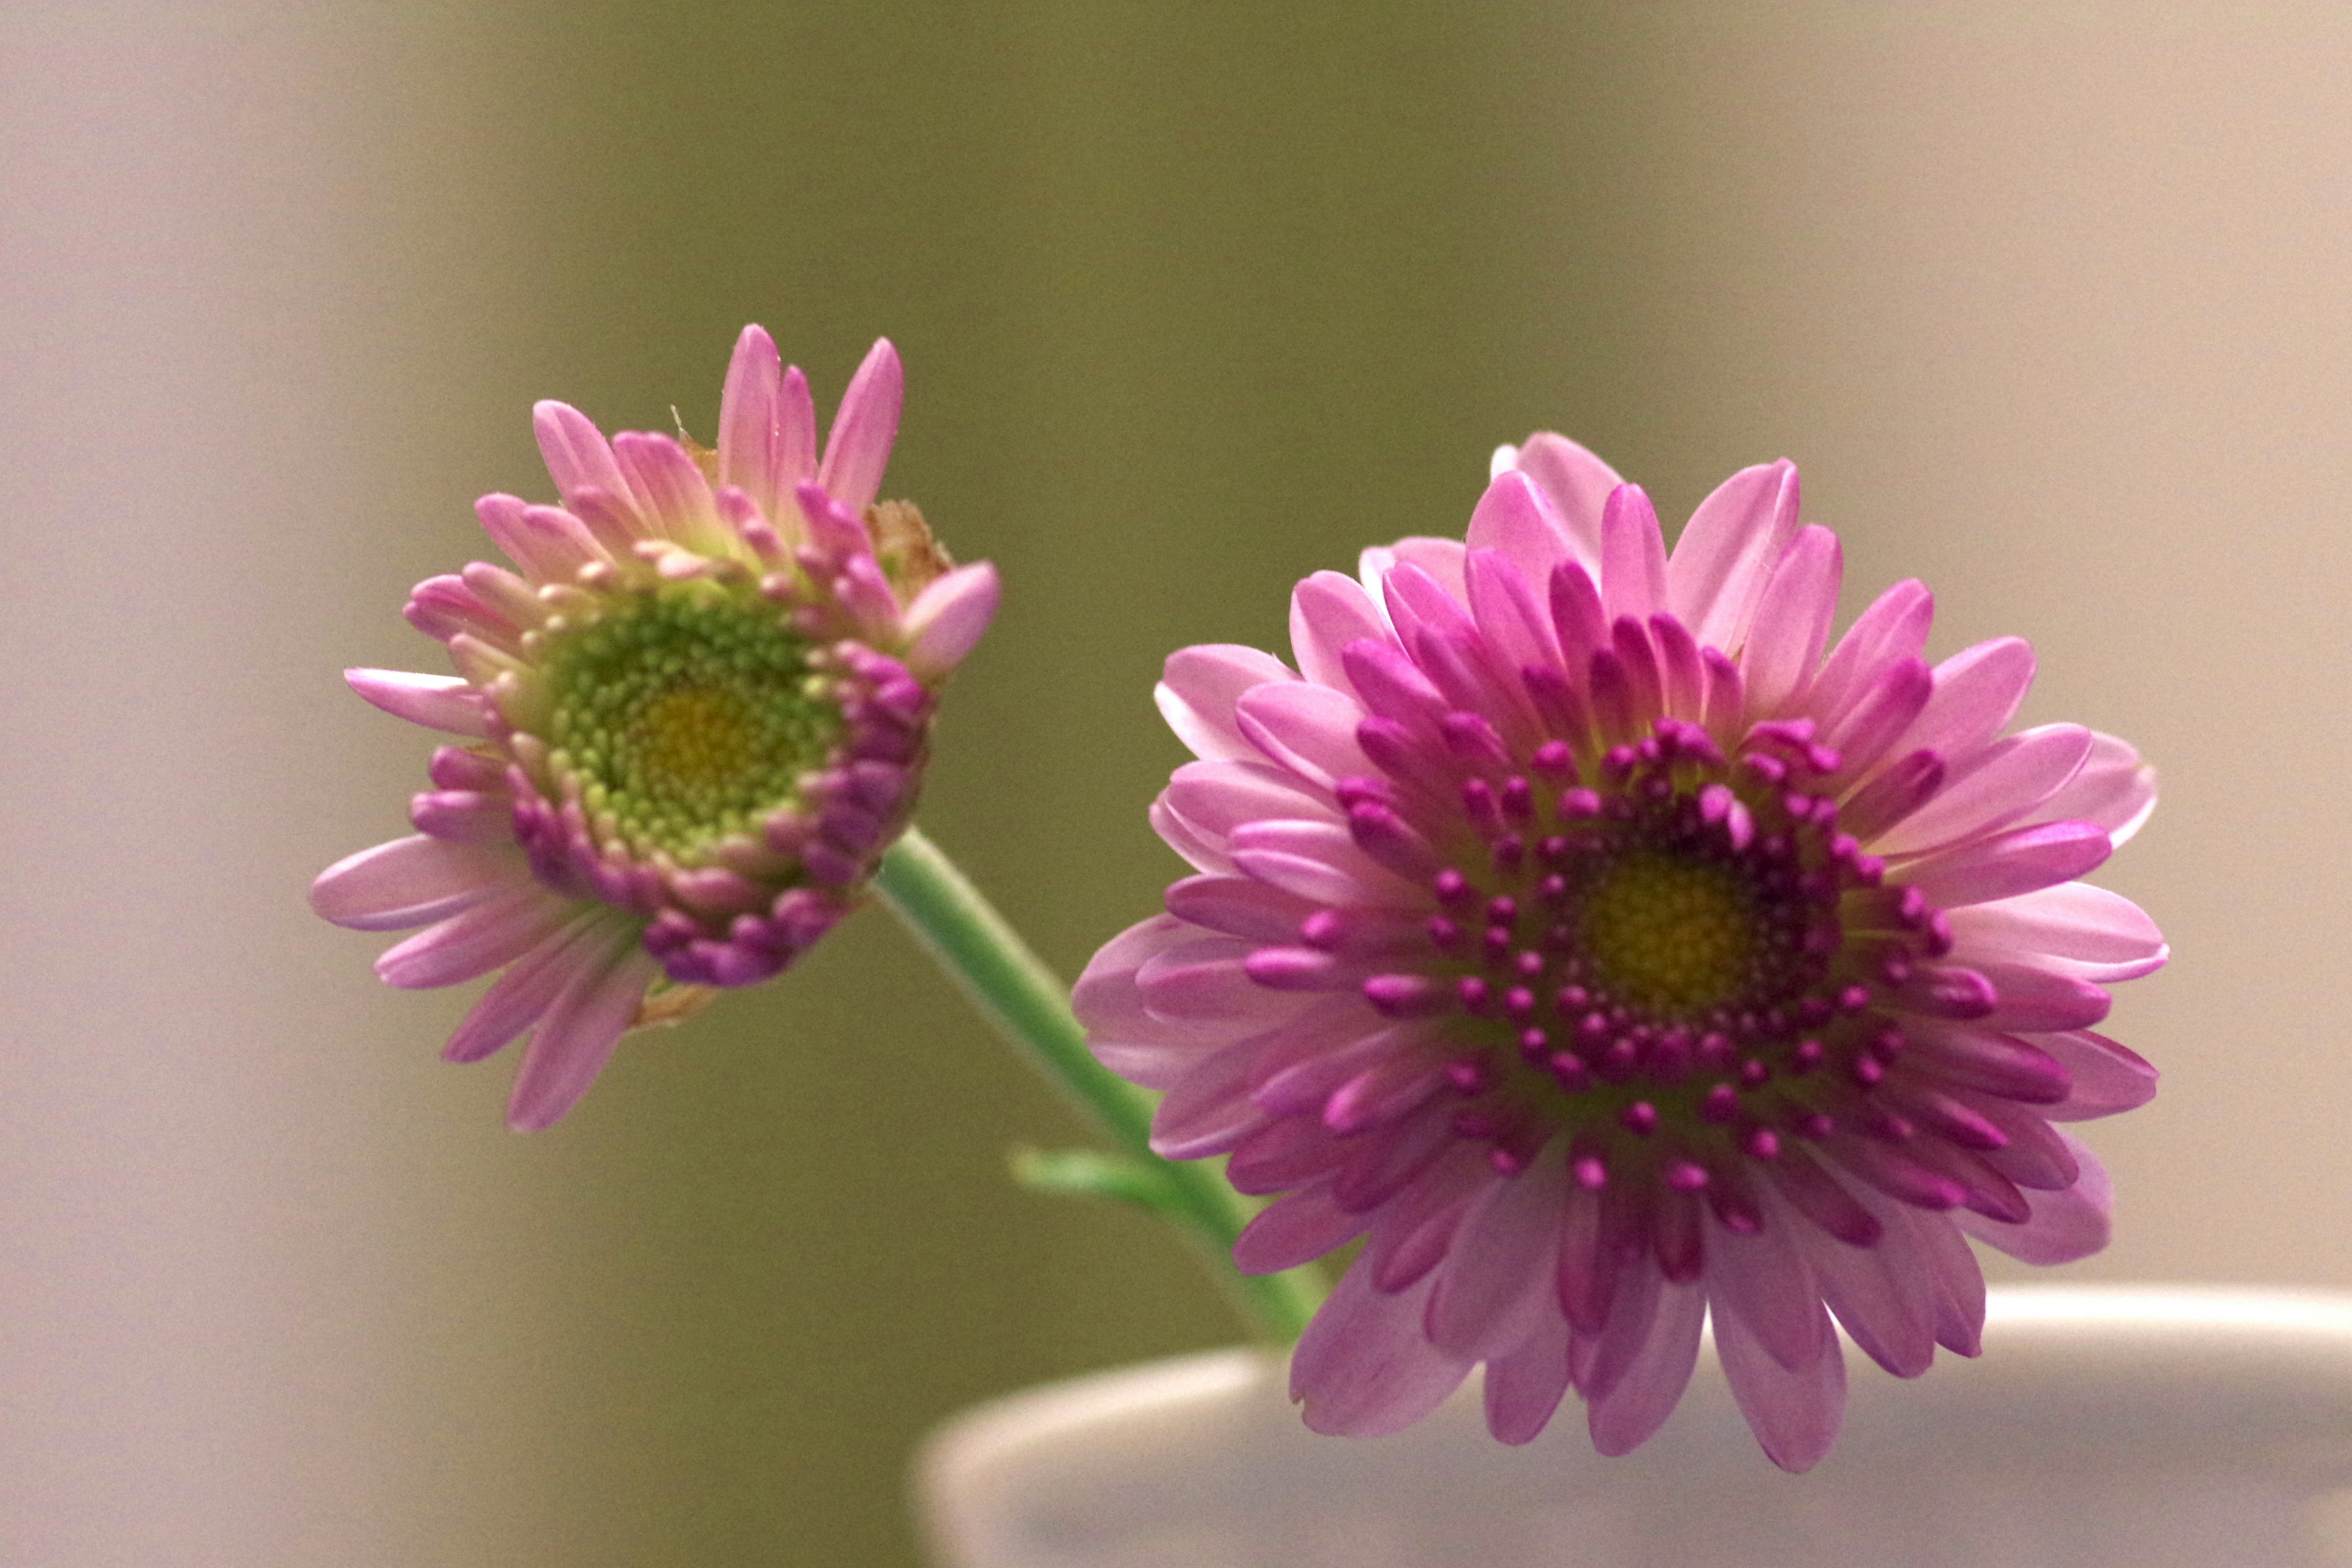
(1031,1008)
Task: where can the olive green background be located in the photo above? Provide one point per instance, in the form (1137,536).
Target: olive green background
(2045,302)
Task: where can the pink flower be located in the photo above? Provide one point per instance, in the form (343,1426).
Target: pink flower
(1575,934)
(689,724)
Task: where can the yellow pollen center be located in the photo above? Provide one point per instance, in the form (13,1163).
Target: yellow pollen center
(1670,935)
(695,742)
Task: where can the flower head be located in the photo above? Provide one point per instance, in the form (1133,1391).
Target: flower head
(1582,933)
(690,721)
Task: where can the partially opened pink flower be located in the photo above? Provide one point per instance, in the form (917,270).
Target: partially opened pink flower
(1583,933)
(689,723)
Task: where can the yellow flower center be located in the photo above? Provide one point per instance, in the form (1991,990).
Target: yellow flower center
(1668,934)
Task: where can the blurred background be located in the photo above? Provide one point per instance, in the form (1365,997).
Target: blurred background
(2048,302)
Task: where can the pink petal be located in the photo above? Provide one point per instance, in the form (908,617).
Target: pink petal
(2064,1227)
(2108,1077)
(1638,1402)
(578,457)
(548,543)
(858,448)
(1362,1369)
(1880,711)
(1295,1229)
(2102,936)
(1327,611)
(1205,979)
(1309,728)
(1208,1111)
(1510,620)
(1236,906)
(2115,789)
(2003,783)
(1894,628)
(477,941)
(1577,483)
(1977,693)
(1884,1294)
(670,488)
(1125,1037)
(1795,1414)
(1358,878)
(446,702)
(1785,641)
(1766,1280)
(574,1037)
(2020,860)
(1496,1287)
(1215,798)
(1515,520)
(1524,1386)
(1728,551)
(2032,998)
(1633,555)
(1198,849)
(412,882)
(751,423)
(1200,687)
(517,998)
(947,618)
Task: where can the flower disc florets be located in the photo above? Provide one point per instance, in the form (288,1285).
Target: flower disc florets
(1582,935)
(698,715)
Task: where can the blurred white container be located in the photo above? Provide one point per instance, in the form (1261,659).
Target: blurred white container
(2103,1428)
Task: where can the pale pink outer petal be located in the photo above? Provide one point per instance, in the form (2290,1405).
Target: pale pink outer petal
(1198,850)
(1884,1294)
(2102,936)
(2115,789)
(1218,797)
(1728,551)
(477,941)
(795,434)
(414,881)
(2107,1077)
(574,1037)
(1439,558)
(1894,628)
(1495,1288)
(1630,1412)
(1977,690)
(2017,861)
(2064,1225)
(751,424)
(1795,1412)
(1126,1038)
(578,457)
(1199,689)
(1766,1280)
(1294,1229)
(1329,611)
(1784,645)
(1362,1369)
(549,543)
(1524,1387)
(1517,520)
(947,618)
(446,702)
(1633,555)
(2003,783)
(517,998)
(858,448)
(1309,728)
(671,490)
(1207,1110)
(1577,484)
(1515,623)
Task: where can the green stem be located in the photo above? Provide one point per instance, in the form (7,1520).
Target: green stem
(1031,1008)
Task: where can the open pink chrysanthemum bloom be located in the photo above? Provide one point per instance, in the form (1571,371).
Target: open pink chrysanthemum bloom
(1577,936)
(691,722)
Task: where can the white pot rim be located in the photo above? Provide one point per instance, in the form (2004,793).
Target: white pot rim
(2230,1407)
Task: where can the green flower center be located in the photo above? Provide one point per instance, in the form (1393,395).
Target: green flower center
(1670,935)
(687,717)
